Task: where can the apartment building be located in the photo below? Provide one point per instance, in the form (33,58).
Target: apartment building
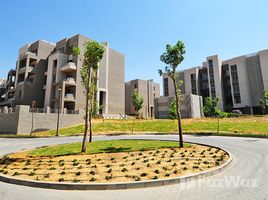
(148,90)
(48,75)
(239,82)
(8,89)
(2,89)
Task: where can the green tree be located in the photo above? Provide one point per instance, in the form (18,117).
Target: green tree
(137,102)
(92,55)
(210,107)
(172,57)
(172,110)
(264,101)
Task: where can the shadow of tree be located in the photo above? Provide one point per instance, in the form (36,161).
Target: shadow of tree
(114,149)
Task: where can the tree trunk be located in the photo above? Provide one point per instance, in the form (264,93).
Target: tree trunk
(178,112)
(92,100)
(84,145)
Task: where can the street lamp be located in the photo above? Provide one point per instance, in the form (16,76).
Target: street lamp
(58,120)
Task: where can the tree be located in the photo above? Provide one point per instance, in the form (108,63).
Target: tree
(92,55)
(137,102)
(172,110)
(172,57)
(264,101)
(210,107)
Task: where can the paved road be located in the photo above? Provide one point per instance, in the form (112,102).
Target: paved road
(245,178)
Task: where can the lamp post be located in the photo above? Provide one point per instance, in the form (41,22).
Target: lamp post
(58,119)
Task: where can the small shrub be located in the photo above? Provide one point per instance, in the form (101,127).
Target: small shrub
(50,161)
(112,158)
(62,173)
(98,159)
(164,168)
(109,171)
(108,165)
(156,171)
(92,179)
(78,173)
(133,163)
(108,177)
(140,153)
(61,179)
(136,178)
(155,177)
(125,157)
(144,174)
(122,165)
(94,166)
(182,163)
(167,175)
(80,167)
(5,172)
(124,169)
(169,160)
(46,176)
(61,164)
(185,168)
(206,162)
(92,172)
(174,164)
(138,168)
(15,174)
(28,162)
(148,165)
(158,162)
(175,171)
(52,168)
(217,162)
(31,174)
(24,168)
(195,167)
(137,158)
(76,180)
(152,158)
(187,159)
(145,161)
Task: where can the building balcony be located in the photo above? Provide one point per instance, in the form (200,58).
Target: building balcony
(69,67)
(28,53)
(70,80)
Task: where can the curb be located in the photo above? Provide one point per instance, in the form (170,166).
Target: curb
(120,185)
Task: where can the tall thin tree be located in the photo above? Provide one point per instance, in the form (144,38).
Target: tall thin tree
(172,57)
(92,55)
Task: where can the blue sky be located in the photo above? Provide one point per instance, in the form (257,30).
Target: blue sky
(138,28)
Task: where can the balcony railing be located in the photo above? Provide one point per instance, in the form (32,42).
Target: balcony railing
(70,80)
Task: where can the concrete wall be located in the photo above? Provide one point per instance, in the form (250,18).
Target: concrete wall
(22,121)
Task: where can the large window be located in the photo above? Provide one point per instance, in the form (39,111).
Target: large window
(211,77)
(235,84)
(193,83)
(166,87)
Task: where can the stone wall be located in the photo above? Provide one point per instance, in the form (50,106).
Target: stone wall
(22,121)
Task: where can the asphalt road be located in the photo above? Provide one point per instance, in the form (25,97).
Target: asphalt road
(245,178)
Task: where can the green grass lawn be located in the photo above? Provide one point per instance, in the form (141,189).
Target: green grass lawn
(245,126)
(109,146)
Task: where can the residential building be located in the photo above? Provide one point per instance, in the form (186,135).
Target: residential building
(8,96)
(148,90)
(2,89)
(190,106)
(239,82)
(48,75)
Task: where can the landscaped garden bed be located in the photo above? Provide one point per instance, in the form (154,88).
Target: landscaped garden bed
(112,161)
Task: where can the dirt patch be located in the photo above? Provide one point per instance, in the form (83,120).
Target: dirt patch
(114,167)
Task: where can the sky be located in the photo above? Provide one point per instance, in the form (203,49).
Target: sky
(140,29)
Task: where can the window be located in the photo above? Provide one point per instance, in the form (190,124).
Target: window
(193,83)
(166,87)
(235,84)
(211,77)
(55,63)
(135,86)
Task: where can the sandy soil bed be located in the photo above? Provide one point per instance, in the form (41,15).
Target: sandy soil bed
(114,167)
